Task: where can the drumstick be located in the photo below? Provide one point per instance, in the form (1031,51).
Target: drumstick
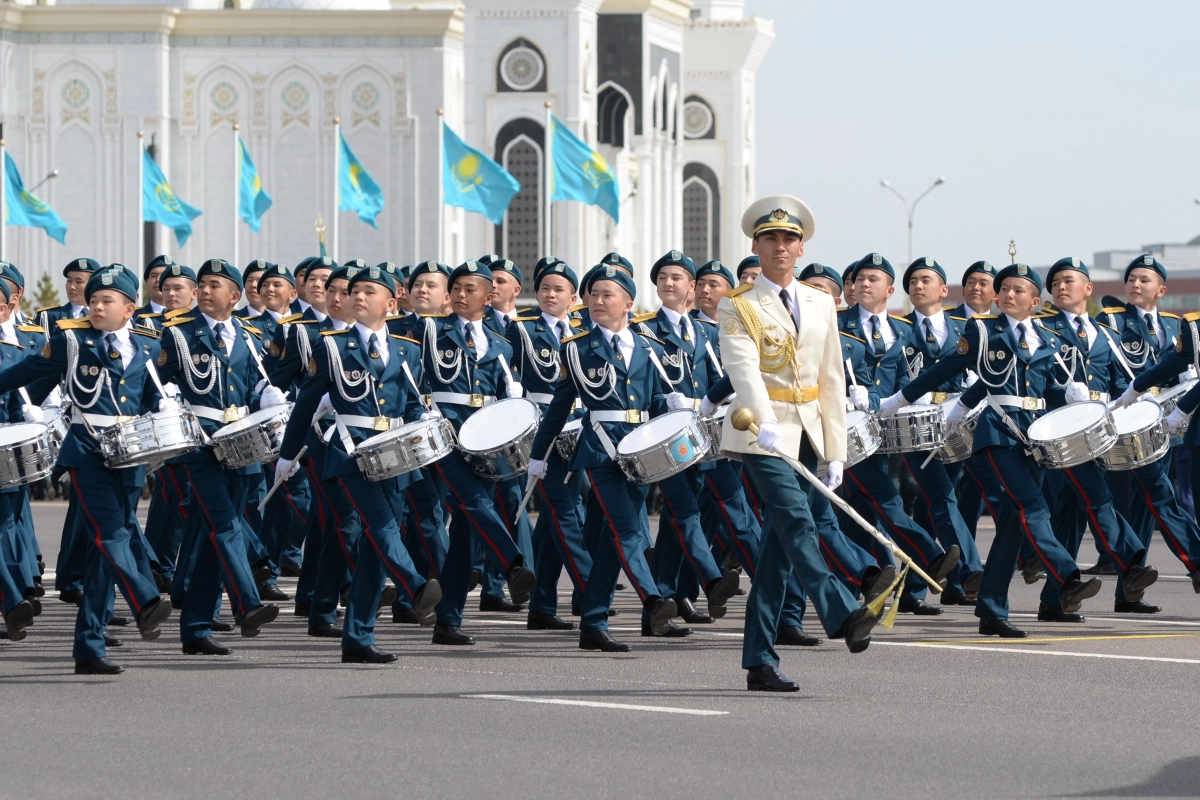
(529,489)
(279,480)
(850,372)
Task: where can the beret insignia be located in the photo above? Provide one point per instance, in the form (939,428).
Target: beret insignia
(610,272)
(1148,260)
(876,259)
(1022,269)
(928,261)
(167,260)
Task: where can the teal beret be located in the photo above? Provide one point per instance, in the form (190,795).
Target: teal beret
(821,271)
(1146,261)
(222,269)
(608,272)
(426,268)
(82,265)
(979,266)
(874,261)
(273,271)
(370,275)
(923,263)
(119,280)
(715,268)
(1018,271)
(674,258)
(747,263)
(1064,264)
(555,267)
(176,271)
(155,263)
(470,269)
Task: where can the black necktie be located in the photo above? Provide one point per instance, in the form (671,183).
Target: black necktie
(562,330)
(929,337)
(1079,326)
(1150,324)
(876,336)
(787,303)
(1023,346)
(219,332)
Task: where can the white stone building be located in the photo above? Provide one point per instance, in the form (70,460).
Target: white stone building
(664,89)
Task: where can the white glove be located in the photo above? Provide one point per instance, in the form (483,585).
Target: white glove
(168,404)
(770,438)
(32,413)
(1077,392)
(677,401)
(272,397)
(924,399)
(890,406)
(1128,397)
(537,469)
(1176,419)
(833,475)
(859,397)
(707,407)
(286,467)
(955,417)
(324,407)
(432,413)
(1188,374)
(515,390)
(53,400)
(970,379)
(262,383)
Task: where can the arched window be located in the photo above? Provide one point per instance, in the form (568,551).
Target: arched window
(519,150)
(701,213)
(612,108)
(521,68)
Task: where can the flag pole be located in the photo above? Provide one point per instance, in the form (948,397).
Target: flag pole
(237,188)
(441,220)
(549,170)
(337,177)
(141,190)
(3,201)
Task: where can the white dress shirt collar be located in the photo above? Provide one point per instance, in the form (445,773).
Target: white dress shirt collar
(1087,324)
(622,339)
(77,311)
(475,333)
(885,327)
(937,322)
(791,293)
(274,316)
(365,335)
(674,317)
(227,330)
(1031,336)
(553,323)
(705,317)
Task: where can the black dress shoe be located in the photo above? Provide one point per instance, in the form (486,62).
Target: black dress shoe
(600,640)
(289,569)
(269,591)
(521,581)
(302,609)
(951,597)
(794,636)
(160,583)
(448,634)
(766,678)
(257,617)
(498,604)
(325,630)
(1073,593)
(98,666)
(1135,607)
(577,611)
(919,607)
(72,596)
(878,583)
(476,579)
(1137,580)
(405,616)
(112,641)
(386,598)
(152,617)
(691,615)
(221,627)
(620,587)
(205,647)
(662,611)
(20,618)
(649,554)
(1105,567)
(857,629)
(720,593)
(971,586)
(1031,570)
(942,566)
(673,631)
(122,621)
(1055,614)
(425,602)
(547,622)
(261,573)
(1001,628)
(368,655)
(1195,576)
(37,605)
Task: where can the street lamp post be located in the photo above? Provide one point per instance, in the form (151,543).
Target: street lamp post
(52,174)
(912,207)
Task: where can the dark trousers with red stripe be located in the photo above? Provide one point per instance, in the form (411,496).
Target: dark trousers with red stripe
(10,592)
(508,494)
(475,517)
(937,511)
(285,519)
(681,543)
(216,530)
(869,480)
(72,550)
(367,517)
(1155,505)
(845,558)
(167,516)
(1024,515)
(971,499)
(558,536)
(423,530)
(115,554)
(328,570)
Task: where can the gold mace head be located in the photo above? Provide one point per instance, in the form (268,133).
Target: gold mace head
(743,419)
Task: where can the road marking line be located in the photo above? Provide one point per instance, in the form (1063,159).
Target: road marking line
(696,712)
(1041,652)
(1067,638)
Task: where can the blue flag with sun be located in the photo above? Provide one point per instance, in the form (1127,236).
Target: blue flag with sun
(24,208)
(253,202)
(159,203)
(357,192)
(580,173)
(473,181)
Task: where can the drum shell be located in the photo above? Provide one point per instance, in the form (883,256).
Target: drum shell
(405,449)
(1085,445)
(28,460)
(1169,399)
(657,461)
(713,425)
(247,446)
(505,461)
(862,439)
(917,430)
(149,439)
(566,442)
(1138,448)
(960,444)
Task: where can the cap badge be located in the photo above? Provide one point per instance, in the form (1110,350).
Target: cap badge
(175,269)
(167,260)
(262,264)
(1148,260)
(472,266)
(327,261)
(1022,269)
(1075,263)
(610,272)
(818,267)
(558,267)
(779,214)
(107,279)
(613,258)
(928,262)
(676,255)
(83,263)
(876,258)
(216,267)
(374,273)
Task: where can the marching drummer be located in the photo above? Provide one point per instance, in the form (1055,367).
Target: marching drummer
(295,338)
(978,294)
(1014,358)
(748,269)
(150,315)
(368,376)
(428,288)
(107,369)
(213,359)
(824,278)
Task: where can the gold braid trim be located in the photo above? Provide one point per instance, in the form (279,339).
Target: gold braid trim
(783,353)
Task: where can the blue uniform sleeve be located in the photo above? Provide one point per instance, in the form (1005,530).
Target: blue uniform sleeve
(306,405)
(949,367)
(37,367)
(556,415)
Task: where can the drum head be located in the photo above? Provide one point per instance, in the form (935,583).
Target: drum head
(656,431)
(918,408)
(1067,420)
(498,424)
(854,418)
(1175,392)
(253,420)
(573,426)
(1139,416)
(20,432)
(949,404)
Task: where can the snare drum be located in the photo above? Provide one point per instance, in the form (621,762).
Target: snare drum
(497,440)
(253,439)
(663,446)
(150,438)
(862,436)
(1069,436)
(961,443)
(713,426)
(1169,399)
(913,428)
(26,453)
(1142,437)
(566,442)
(409,447)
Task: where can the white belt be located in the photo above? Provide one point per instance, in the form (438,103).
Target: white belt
(95,420)
(218,414)
(371,423)
(632,416)
(456,399)
(539,397)
(1101,397)
(1022,403)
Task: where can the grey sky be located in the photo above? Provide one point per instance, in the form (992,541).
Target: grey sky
(1069,126)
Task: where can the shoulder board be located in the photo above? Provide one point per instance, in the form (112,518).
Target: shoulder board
(47,308)
(852,336)
(176,313)
(949,308)
(745,287)
(252,329)
(576,336)
(12,344)
(706,322)
(648,336)
(394,317)
(302,322)
(1105,325)
(645,316)
(74,324)
(434,316)
(840,309)
(901,318)
(1168,314)
(178,321)
(960,319)
(31,328)
(576,323)
(149,315)
(1192,317)
(986,316)
(498,336)
(1114,310)
(290,318)
(153,334)
(578,307)
(405,338)
(526,319)
(335,333)
(818,288)
(1043,316)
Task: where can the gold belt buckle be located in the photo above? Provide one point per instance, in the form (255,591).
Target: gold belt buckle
(427,400)
(633,416)
(476,401)
(121,418)
(382,424)
(940,397)
(1030,404)
(1094,396)
(231,414)
(1154,390)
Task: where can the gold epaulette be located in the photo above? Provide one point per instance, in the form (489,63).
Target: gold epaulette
(176,313)
(153,334)
(434,316)
(648,336)
(1169,314)
(1114,310)
(818,288)
(949,308)
(252,329)
(645,316)
(852,336)
(335,333)
(178,321)
(150,315)
(394,317)
(405,338)
(576,323)
(901,318)
(745,287)
(290,318)
(47,308)
(986,316)
(576,336)
(303,322)
(526,319)
(31,328)
(1105,324)
(1192,317)
(74,324)
(843,308)
(578,307)
(960,319)
(1041,316)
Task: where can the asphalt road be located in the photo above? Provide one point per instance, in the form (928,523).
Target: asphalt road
(1104,709)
